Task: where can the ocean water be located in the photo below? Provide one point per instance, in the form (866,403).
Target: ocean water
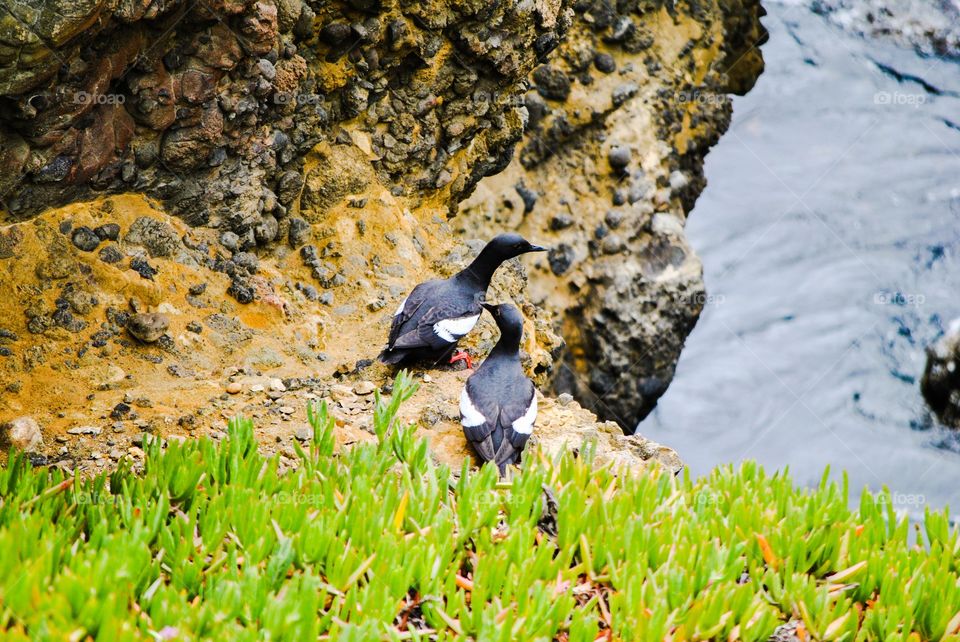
(830,238)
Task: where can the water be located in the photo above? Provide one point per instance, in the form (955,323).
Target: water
(830,241)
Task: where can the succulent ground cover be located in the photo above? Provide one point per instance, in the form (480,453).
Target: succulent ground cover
(211,541)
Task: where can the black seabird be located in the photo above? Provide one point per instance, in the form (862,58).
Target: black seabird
(498,406)
(438,313)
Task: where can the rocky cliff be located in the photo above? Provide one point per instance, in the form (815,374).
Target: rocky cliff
(213,207)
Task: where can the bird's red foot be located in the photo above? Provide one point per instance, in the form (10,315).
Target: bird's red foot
(462,355)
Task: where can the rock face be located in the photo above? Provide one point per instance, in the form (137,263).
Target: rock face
(270,178)
(212,107)
(610,165)
(941,378)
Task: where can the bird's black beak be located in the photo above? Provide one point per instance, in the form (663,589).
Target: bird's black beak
(492,309)
(537,248)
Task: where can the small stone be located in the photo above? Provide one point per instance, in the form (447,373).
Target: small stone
(612,244)
(110,254)
(107,232)
(528,196)
(21,433)
(198,289)
(299,232)
(266,69)
(623,93)
(277,384)
(561,257)
(427,378)
(287,410)
(85,430)
(148,326)
(256,388)
(551,83)
(144,269)
(605,63)
(195,327)
(619,157)
(560,222)
(120,411)
(234,387)
(230,241)
(303,433)
(366,388)
(85,239)
(565,398)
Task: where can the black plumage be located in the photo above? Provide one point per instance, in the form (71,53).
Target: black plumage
(438,313)
(498,405)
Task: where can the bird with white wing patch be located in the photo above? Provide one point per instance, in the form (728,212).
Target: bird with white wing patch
(498,405)
(438,313)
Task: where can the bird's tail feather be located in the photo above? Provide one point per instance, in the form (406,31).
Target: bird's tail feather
(392,357)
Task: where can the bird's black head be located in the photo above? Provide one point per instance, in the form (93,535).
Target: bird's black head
(507,246)
(498,250)
(510,322)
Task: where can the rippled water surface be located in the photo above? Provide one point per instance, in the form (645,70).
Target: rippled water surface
(829,233)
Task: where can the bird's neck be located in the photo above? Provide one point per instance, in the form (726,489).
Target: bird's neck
(507,348)
(481,270)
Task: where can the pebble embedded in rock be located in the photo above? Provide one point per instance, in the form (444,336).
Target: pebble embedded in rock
(85,239)
(21,433)
(107,232)
(230,241)
(148,326)
(528,196)
(110,254)
(144,269)
(299,232)
(619,157)
(560,257)
(120,411)
(560,222)
(234,388)
(277,384)
(605,63)
(551,82)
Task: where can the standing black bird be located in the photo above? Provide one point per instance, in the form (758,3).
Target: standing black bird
(438,313)
(498,405)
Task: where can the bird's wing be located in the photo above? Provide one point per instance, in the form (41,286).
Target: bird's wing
(517,418)
(442,325)
(407,309)
(478,416)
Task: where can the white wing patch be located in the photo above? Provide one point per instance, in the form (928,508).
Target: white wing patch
(524,424)
(469,415)
(453,329)
(400,309)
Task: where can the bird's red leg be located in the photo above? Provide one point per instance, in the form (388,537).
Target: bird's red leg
(462,355)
